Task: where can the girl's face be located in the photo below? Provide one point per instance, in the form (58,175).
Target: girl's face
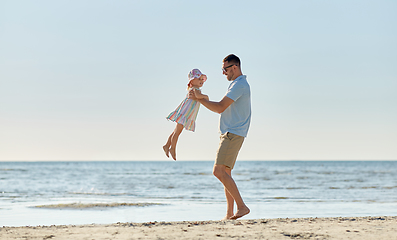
(198,82)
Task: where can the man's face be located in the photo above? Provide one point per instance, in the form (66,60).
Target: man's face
(228,70)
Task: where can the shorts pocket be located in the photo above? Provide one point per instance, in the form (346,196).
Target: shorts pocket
(229,135)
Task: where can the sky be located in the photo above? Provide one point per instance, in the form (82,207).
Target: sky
(95,80)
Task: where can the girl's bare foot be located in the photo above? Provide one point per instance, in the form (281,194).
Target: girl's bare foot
(166,150)
(240,213)
(173,153)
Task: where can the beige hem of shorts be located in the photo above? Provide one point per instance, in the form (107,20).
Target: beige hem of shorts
(229,147)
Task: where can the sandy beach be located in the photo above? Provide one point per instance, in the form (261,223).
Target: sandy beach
(282,228)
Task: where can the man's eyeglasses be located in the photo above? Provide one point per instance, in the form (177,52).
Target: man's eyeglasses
(224,69)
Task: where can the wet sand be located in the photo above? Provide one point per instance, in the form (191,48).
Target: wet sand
(283,228)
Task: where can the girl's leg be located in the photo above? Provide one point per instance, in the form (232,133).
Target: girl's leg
(174,139)
(167,146)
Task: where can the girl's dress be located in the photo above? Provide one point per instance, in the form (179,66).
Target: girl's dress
(186,113)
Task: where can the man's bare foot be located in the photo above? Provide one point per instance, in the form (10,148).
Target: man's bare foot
(166,150)
(227,217)
(173,153)
(240,213)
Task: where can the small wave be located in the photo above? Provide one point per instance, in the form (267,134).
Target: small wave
(197,197)
(88,193)
(370,201)
(94,205)
(310,201)
(195,174)
(12,169)
(350,180)
(302,178)
(240,174)
(365,187)
(282,172)
(98,193)
(369,187)
(259,178)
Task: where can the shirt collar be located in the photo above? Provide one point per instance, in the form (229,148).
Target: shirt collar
(240,78)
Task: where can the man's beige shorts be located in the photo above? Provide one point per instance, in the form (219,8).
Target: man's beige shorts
(228,149)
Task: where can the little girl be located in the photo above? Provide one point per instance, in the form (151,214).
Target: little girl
(186,113)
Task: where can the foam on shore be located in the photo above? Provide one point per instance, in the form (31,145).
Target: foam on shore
(93,205)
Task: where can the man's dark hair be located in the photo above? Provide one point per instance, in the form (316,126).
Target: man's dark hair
(233,59)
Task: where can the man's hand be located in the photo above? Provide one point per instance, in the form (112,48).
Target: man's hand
(192,95)
(217,107)
(195,94)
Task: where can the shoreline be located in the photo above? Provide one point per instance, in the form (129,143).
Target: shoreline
(382,227)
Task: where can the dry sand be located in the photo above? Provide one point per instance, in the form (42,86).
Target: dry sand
(293,228)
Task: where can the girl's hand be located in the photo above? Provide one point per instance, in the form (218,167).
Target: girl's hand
(192,94)
(199,95)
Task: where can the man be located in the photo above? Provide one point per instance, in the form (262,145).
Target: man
(235,110)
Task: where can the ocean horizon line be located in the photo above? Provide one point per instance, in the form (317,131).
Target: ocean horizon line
(187,160)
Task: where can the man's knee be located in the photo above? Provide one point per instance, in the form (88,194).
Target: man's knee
(219,171)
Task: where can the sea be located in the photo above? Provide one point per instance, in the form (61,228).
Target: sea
(74,193)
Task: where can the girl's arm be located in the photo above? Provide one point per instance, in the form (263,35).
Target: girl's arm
(199,95)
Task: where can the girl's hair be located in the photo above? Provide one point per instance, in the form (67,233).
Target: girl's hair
(189,84)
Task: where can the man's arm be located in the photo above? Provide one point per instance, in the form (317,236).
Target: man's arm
(217,107)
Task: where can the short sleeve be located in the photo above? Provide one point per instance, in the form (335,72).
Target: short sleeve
(235,91)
